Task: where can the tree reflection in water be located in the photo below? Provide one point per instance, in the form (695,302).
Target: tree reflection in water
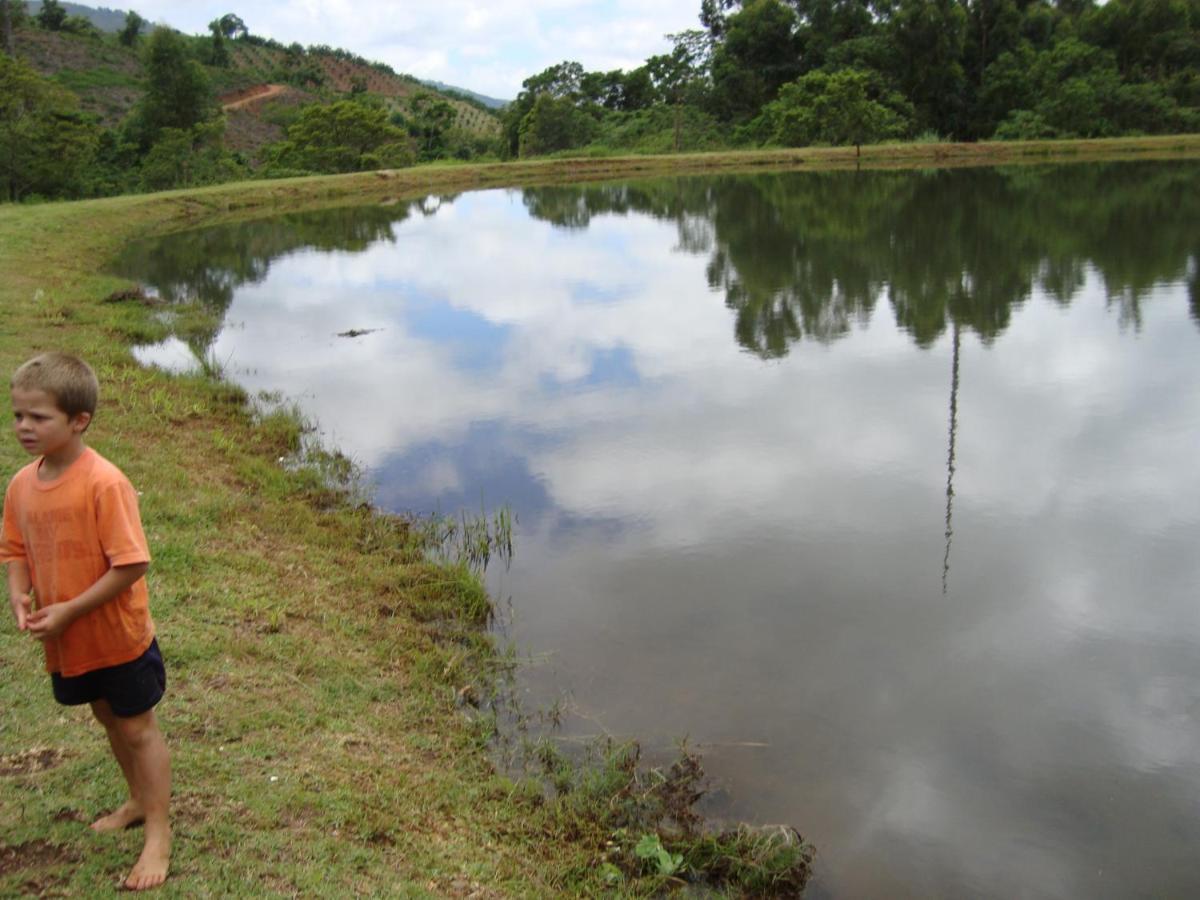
(808,255)
(213,263)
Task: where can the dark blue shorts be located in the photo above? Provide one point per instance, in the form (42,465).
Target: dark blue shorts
(130,688)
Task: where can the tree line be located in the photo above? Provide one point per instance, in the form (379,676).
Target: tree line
(845,72)
(758,73)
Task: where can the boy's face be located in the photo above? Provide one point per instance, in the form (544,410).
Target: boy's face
(42,428)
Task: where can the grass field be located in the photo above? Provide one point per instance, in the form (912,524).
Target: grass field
(315,656)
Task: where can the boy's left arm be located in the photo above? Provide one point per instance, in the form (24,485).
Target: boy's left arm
(52,621)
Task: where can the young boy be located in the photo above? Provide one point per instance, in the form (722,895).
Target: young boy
(75,549)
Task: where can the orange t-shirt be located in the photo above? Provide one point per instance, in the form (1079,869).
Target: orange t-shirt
(70,531)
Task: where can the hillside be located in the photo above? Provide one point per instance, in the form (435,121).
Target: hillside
(109,79)
(260,64)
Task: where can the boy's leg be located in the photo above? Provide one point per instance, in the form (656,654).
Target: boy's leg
(130,812)
(150,787)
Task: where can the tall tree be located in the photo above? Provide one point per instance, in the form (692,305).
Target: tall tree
(51,16)
(757,57)
(132,30)
(45,144)
(564,80)
(679,75)
(929,36)
(218,54)
(232,26)
(178,94)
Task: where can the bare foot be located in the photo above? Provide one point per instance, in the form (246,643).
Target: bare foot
(151,868)
(128,815)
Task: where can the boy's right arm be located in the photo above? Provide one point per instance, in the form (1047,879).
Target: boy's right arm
(19,585)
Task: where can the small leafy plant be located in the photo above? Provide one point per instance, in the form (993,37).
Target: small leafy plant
(650,849)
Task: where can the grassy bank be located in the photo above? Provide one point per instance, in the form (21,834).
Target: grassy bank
(316,658)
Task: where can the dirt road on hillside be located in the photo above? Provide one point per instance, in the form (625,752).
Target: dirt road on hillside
(251,95)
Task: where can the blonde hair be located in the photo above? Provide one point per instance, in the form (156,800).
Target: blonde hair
(68,379)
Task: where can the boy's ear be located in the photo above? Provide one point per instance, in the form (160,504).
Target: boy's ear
(81,421)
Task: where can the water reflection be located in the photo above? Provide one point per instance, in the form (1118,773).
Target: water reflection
(809,257)
(738,453)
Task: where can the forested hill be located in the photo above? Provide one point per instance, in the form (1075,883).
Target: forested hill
(141,110)
(89,113)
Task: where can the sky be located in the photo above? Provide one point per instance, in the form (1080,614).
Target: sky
(487,46)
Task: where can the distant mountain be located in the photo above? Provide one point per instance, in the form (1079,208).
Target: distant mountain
(490,102)
(103,18)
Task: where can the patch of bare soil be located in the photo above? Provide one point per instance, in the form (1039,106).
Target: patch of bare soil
(27,762)
(246,128)
(33,855)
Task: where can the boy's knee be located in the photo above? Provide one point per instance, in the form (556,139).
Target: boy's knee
(137,731)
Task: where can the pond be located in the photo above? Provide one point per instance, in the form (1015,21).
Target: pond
(879,487)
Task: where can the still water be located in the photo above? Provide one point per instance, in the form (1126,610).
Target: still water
(879,487)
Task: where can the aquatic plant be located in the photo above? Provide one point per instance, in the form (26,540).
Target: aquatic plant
(645,820)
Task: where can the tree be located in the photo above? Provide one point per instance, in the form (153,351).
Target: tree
(1007,85)
(45,144)
(429,122)
(929,37)
(346,136)
(564,80)
(679,75)
(846,107)
(82,26)
(561,80)
(218,54)
(232,27)
(1149,38)
(554,124)
(637,89)
(993,28)
(825,25)
(133,28)
(188,157)
(758,56)
(51,16)
(1075,90)
(178,94)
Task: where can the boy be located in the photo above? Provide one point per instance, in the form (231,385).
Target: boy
(74,545)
